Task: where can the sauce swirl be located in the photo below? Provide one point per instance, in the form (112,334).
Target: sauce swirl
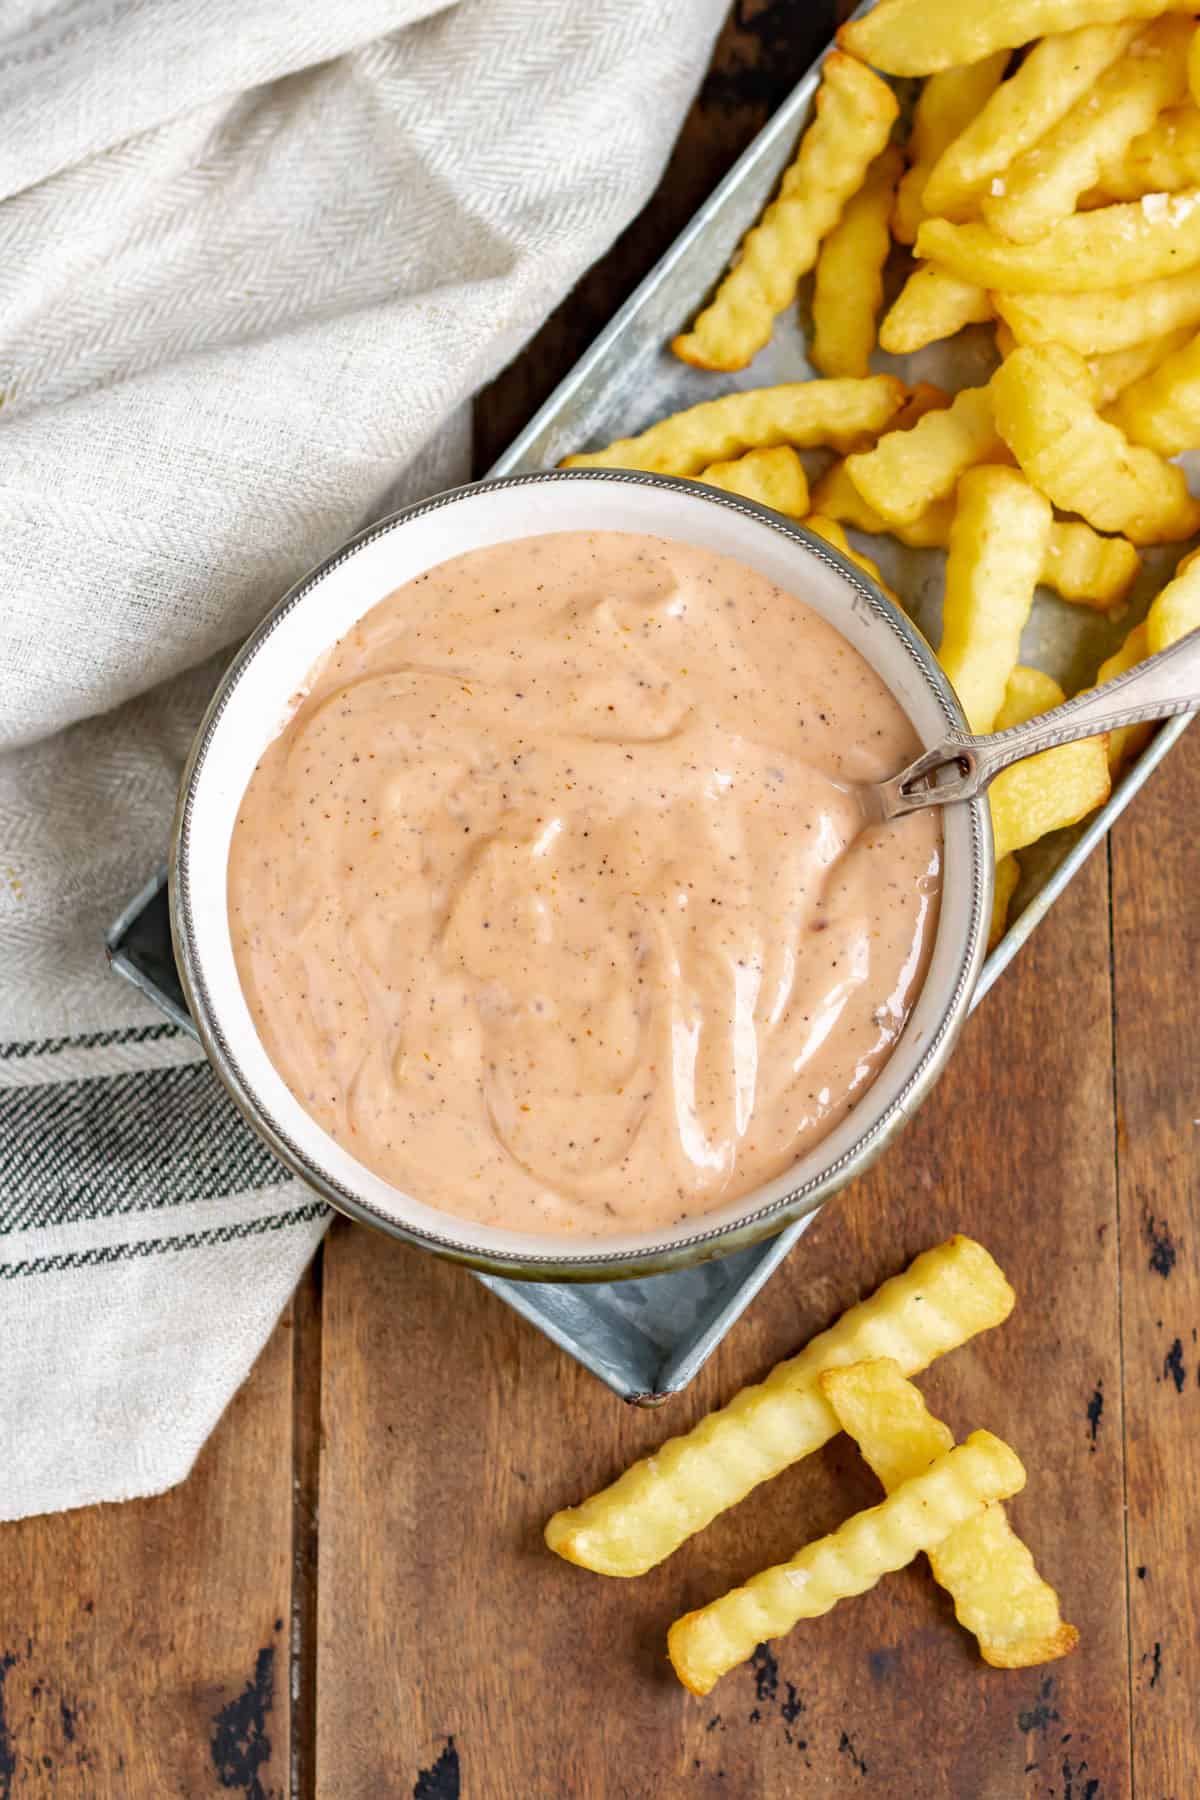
(551,902)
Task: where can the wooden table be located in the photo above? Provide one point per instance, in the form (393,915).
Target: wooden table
(350,1598)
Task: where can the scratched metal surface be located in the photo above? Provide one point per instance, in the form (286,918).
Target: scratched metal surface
(646,1339)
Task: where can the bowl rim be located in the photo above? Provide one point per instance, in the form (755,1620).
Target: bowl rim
(596,1264)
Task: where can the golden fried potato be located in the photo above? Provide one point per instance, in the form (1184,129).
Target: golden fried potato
(1115,370)
(920,1514)
(922,397)
(1008,874)
(1143,239)
(1079,461)
(931,305)
(983,1565)
(800,413)
(772,477)
(848,290)
(831,531)
(1073,369)
(999,1594)
(998,544)
(1087,568)
(1124,744)
(1162,410)
(1194,69)
(1081,565)
(854,116)
(1053,75)
(1028,693)
(1045,792)
(948,103)
(943,1298)
(1040,189)
(1094,324)
(1175,611)
(908,470)
(836,497)
(1161,160)
(919,37)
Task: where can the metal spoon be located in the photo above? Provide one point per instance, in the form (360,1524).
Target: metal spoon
(961,766)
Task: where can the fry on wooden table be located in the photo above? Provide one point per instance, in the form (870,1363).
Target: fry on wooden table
(942,1299)
(855,112)
(984,1566)
(920,1514)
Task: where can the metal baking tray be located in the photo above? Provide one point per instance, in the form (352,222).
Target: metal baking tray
(646,1339)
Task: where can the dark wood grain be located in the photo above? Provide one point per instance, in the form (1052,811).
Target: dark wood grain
(350,1596)
(1156,964)
(548,1680)
(145,1646)
(306,1313)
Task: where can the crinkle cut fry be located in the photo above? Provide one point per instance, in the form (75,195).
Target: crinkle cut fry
(983,1565)
(773,478)
(800,413)
(1082,463)
(855,112)
(943,1298)
(707,1643)
(1051,77)
(920,37)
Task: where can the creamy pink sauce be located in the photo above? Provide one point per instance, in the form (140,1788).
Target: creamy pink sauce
(547,902)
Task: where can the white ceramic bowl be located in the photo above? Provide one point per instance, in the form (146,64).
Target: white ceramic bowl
(251,703)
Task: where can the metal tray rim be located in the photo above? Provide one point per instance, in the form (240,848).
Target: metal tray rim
(678,1368)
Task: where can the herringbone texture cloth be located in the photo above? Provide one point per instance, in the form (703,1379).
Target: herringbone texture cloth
(254,260)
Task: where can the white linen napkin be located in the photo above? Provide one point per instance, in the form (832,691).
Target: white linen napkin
(254,260)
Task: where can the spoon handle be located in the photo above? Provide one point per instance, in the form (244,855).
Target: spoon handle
(961,766)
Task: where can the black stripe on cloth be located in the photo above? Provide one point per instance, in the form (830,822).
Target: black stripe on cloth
(90,1040)
(127,1143)
(189,1240)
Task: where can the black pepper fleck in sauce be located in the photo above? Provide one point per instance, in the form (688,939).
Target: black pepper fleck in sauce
(547,902)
